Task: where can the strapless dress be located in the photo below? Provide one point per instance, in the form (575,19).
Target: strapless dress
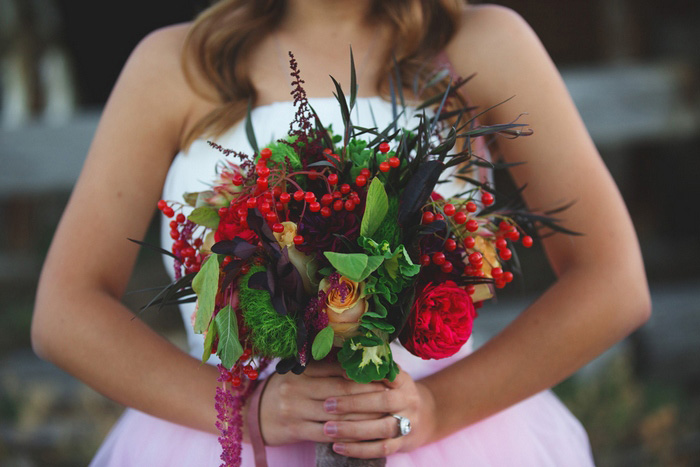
(539,431)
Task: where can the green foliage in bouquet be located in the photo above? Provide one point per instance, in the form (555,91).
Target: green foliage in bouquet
(274,335)
(368,358)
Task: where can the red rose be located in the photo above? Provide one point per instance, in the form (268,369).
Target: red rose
(231,225)
(440,322)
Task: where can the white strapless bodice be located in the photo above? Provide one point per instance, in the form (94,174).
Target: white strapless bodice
(194,170)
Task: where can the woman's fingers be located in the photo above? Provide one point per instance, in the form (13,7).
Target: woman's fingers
(322,388)
(386,401)
(382,428)
(368,449)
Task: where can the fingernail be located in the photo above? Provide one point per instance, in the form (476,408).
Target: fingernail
(330,405)
(339,448)
(330,429)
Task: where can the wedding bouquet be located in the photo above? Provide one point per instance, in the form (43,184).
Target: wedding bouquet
(323,241)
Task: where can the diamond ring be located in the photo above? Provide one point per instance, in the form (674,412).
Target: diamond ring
(404,424)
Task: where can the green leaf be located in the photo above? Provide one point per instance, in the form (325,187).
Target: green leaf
(206,216)
(323,342)
(250,133)
(205,284)
(354,266)
(230,349)
(209,342)
(376,207)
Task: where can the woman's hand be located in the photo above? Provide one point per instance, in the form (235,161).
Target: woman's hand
(377,435)
(292,406)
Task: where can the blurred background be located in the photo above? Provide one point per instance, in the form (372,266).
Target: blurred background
(633,68)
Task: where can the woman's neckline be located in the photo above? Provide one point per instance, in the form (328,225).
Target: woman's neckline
(312,99)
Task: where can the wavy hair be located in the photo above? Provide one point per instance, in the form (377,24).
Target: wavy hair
(220,53)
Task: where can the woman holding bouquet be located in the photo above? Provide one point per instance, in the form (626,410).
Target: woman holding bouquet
(193,82)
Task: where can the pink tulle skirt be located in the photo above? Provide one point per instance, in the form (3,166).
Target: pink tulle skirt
(540,431)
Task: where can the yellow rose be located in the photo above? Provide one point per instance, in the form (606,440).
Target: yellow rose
(301,262)
(345,309)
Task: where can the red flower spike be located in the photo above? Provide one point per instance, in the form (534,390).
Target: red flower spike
(439,258)
(469,242)
(450,244)
(285,198)
(472,225)
(326,211)
(298,240)
(327,199)
(527,241)
(394,162)
(315,206)
(265,153)
(384,147)
(471,207)
(384,166)
(333,179)
(449,210)
(262,183)
(345,188)
(487,198)
(365,172)
(361,180)
(505,254)
(338,205)
(425,260)
(446,267)
(349,205)
(496,273)
(428,217)
(298,195)
(501,243)
(508,276)
(460,217)
(309,197)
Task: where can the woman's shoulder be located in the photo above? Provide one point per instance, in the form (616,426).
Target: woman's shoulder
(497,45)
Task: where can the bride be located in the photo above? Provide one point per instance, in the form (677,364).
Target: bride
(186,83)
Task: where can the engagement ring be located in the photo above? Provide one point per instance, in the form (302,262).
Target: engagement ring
(404,424)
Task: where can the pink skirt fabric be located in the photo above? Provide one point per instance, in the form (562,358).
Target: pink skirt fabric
(539,431)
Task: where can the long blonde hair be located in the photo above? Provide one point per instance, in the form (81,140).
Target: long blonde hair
(220,53)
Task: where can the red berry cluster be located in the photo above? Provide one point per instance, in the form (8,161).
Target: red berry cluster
(240,368)
(185,249)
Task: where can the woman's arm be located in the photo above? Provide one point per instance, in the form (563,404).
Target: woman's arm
(601,293)
(79,323)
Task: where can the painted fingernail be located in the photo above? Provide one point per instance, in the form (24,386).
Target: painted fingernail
(339,448)
(330,405)
(330,429)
